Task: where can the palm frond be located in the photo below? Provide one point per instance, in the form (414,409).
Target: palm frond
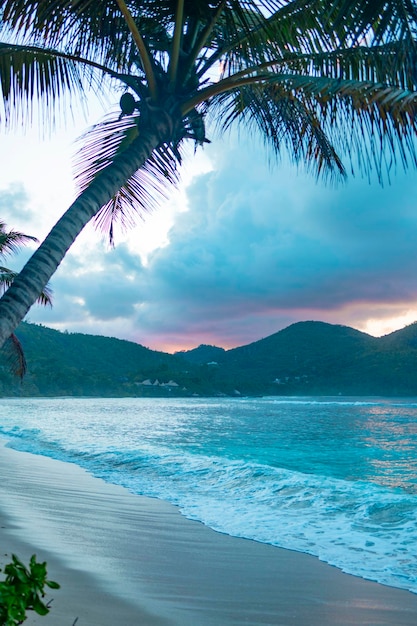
(176,41)
(381,21)
(145,58)
(285,122)
(7,276)
(63,24)
(29,74)
(10,241)
(241,32)
(342,69)
(394,64)
(308,27)
(45,298)
(144,191)
(319,118)
(260,34)
(89,29)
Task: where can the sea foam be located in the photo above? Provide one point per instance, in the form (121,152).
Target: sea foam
(335,479)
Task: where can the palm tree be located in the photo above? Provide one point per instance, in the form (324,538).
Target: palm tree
(322,80)
(10,242)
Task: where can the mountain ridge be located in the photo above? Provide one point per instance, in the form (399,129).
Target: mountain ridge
(305,358)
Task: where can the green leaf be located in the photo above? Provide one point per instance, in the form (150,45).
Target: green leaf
(39,607)
(52,584)
(22,591)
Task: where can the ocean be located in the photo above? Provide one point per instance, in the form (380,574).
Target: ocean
(331,477)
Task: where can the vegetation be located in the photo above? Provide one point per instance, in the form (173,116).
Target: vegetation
(324,81)
(314,358)
(308,358)
(23,590)
(10,242)
(77,364)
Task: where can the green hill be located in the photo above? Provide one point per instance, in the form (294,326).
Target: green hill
(307,358)
(203,354)
(319,358)
(77,364)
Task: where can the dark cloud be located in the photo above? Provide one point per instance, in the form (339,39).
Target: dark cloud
(258,240)
(99,286)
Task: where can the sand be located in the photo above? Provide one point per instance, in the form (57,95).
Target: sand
(125,560)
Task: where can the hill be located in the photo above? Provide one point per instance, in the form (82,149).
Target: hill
(89,365)
(307,358)
(203,354)
(319,358)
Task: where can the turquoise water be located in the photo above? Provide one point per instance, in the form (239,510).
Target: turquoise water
(336,478)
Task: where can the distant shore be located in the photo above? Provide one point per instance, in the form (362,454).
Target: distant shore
(127,560)
(307,358)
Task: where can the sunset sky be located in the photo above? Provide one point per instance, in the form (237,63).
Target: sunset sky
(242,250)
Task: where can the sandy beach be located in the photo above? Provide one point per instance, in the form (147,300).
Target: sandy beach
(126,560)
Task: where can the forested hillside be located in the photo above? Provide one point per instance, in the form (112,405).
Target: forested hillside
(305,358)
(319,358)
(77,364)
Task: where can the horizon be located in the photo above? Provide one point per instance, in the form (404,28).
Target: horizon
(194,347)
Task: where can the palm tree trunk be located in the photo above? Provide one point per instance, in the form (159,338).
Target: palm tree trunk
(26,288)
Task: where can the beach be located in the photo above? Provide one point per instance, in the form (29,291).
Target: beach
(123,559)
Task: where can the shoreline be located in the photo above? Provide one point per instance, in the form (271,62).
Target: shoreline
(131,560)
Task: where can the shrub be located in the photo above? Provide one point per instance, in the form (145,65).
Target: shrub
(23,590)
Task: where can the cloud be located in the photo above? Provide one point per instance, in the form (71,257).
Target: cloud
(258,248)
(96,284)
(262,243)
(15,206)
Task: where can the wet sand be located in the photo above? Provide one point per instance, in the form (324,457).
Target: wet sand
(125,560)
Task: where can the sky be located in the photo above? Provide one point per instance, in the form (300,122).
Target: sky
(242,250)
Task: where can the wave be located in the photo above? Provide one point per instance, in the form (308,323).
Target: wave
(326,401)
(362,528)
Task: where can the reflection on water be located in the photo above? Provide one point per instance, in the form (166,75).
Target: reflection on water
(391,438)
